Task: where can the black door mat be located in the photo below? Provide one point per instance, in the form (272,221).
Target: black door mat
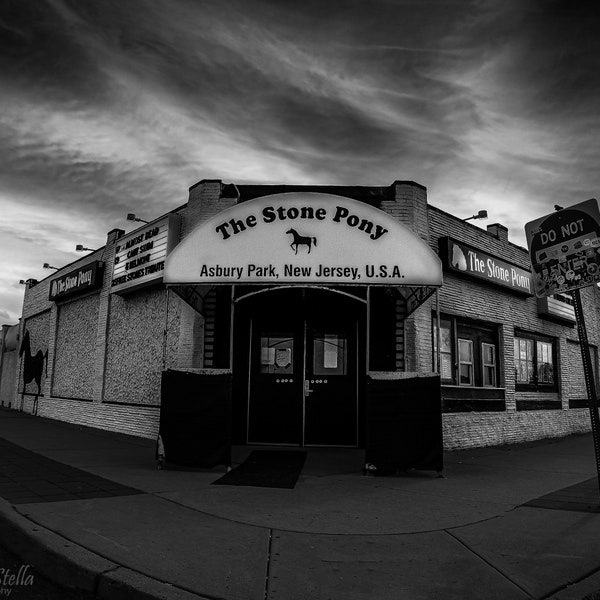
(267,468)
(582,497)
(27,477)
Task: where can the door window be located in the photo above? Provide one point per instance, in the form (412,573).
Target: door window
(276,354)
(329,354)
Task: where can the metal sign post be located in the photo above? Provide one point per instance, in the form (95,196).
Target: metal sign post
(564,248)
(590,384)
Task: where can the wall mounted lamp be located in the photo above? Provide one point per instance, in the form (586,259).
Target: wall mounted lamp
(80,248)
(132,217)
(482,214)
(47,266)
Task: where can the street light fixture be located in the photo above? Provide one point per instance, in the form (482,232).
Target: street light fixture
(482,214)
(80,248)
(132,217)
(47,266)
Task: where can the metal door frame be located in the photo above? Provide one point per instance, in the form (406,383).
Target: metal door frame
(302,443)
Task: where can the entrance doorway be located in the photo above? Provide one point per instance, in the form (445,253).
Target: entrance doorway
(303,368)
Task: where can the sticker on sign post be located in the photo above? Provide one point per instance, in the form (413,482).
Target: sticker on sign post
(564,248)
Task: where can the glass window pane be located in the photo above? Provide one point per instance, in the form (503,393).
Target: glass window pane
(446,366)
(465,351)
(524,367)
(276,354)
(446,350)
(445,338)
(489,376)
(466,374)
(545,367)
(329,354)
(465,362)
(489,364)
(488,354)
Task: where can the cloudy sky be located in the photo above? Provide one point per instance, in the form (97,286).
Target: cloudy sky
(109,107)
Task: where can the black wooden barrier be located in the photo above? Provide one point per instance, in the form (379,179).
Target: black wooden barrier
(195,419)
(404,424)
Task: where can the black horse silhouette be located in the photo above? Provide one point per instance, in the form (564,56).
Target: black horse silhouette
(301,240)
(33,366)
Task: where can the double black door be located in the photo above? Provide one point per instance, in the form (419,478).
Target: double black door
(303,387)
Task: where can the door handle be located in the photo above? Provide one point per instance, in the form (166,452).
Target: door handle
(307,389)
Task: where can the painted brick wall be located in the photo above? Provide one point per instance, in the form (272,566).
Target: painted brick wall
(574,367)
(204,202)
(473,430)
(142,421)
(74,353)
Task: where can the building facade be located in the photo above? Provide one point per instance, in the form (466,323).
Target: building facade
(320,295)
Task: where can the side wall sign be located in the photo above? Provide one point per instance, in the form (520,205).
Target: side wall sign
(78,281)
(140,255)
(303,238)
(467,260)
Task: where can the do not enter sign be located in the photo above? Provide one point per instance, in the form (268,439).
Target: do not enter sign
(564,248)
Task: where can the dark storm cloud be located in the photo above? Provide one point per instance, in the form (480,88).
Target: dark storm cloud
(111,107)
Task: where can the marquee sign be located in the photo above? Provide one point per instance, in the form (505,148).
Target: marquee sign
(140,255)
(466,260)
(564,248)
(303,237)
(83,279)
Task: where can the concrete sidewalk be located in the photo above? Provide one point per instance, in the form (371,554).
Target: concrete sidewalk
(105,519)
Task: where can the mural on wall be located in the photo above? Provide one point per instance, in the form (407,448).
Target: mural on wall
(34,366)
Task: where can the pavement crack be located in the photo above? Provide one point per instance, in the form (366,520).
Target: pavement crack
(268,565)
(571,583)
(487,562)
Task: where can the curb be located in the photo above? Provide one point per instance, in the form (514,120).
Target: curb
(73,566)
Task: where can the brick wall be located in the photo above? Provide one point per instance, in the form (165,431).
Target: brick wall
(195,343)
(142,421)
(129,340)
(472,430)
(466,298)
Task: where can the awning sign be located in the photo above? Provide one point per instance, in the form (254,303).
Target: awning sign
(303,238)
(564,248)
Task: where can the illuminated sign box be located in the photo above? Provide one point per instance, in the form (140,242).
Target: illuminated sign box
(466,260)
(140,255)
(303,238)
(78,281)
